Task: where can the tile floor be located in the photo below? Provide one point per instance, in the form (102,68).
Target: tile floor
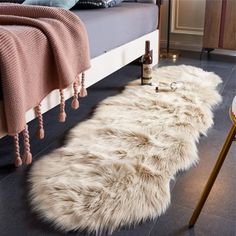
(218,217)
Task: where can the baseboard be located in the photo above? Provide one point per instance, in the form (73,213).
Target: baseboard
(195,47)
(182,45)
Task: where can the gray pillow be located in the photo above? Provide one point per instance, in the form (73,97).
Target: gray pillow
(88,4)
(66,4)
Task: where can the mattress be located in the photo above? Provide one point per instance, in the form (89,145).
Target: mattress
(112,27)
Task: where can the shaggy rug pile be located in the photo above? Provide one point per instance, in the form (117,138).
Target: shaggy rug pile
(115,168)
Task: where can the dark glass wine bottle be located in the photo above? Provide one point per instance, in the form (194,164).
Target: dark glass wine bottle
(146,78)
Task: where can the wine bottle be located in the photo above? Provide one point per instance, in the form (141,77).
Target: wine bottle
(146,78)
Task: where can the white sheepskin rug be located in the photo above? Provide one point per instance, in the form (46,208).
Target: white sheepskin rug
(115,168)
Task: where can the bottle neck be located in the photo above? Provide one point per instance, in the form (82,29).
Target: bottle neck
(147,47)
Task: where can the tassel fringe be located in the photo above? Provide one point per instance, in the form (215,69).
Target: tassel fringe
(83,90)
(62,114)
(27,157)
(18,161)
(40,131)
(75,101)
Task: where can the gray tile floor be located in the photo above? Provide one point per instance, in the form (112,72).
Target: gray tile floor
(219,214)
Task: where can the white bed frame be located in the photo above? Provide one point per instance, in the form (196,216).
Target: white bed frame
(101,67)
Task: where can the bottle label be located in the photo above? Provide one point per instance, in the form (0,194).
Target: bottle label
(147,74)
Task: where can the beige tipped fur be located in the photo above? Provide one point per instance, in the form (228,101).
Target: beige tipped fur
(115,168)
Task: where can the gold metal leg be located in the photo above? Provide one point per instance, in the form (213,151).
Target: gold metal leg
(214,173)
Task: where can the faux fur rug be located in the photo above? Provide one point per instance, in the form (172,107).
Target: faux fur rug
(115,168)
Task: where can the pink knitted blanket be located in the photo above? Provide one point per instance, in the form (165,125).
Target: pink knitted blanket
(41,49)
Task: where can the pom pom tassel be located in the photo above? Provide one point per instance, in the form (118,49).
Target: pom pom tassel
(83,91)
(27,157)
(62,114)
(75,101)
(18,161)
(40,130)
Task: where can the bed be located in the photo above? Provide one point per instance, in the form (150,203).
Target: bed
(114,42)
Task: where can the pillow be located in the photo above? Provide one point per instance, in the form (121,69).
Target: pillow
(87,4)
(66,4)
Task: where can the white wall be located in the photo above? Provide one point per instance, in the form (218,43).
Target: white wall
(187,24)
